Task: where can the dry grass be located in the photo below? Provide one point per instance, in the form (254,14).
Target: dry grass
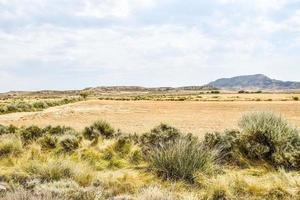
(140,116)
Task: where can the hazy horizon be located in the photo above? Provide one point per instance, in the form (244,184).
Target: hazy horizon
(73,44)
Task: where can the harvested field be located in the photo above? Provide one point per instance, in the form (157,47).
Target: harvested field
(140,116)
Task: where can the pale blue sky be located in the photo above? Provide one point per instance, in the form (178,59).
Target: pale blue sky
(69,44)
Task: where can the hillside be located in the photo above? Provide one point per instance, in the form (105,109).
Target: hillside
(107,89)
(257,81)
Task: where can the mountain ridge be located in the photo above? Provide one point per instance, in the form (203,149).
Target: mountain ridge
(251,82)
(256,81)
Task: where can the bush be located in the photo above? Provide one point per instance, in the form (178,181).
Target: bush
(58,169)
(296,98)
(123,146)
(69,143)
(268,137)
(181,160)
(10,146)
(159,136)
(215,92)
(31,134)
(227,143)
(7,129)
(48,142)
(99,128)
(58,130)
(136,157)
(3,130)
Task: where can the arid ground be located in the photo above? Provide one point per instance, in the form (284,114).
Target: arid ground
(140,116)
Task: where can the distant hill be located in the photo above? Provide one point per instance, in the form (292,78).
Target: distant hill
(146,89)
(257,81)
(107,89)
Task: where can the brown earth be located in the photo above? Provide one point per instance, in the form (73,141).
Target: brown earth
(140,116)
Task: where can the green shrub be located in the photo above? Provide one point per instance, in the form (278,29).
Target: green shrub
(182,159)
(3,130)
(227,143)
(97,129)
(31,133)
(69,143)
(10,146)
(48,142)
(58,130)
(12,129)
(8,129)
(266,136)
(159,136)
(40,105)
(136,157)
(123,146)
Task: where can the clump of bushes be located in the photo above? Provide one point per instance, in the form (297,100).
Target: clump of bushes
(10,146)
(69,143)
(227,144)
(58,130)
(182,159)
(4,130)
(268,137)
(264,136)
(97,129)
(123,146)
(59,169)
(31,133)
(27,106)
(159,136)
(48,142)
(7,129)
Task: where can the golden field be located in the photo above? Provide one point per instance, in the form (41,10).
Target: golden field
(139,116)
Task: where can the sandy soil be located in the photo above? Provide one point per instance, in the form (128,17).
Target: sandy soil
(140,116)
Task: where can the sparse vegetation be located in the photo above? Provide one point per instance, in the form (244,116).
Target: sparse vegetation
(34,105)
(97,129)
(260,160)
(295,98)
(182,159)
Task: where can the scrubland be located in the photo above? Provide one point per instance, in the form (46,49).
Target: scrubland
(31,105)
(258,160)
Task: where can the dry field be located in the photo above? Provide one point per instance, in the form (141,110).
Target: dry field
(140,116)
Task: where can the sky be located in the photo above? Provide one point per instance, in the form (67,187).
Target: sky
(73,44)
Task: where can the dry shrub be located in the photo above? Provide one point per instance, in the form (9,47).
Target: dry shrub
(182,159)
(58,169)
(10,146)
(266,136)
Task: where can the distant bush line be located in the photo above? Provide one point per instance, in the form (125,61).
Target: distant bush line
(34,105)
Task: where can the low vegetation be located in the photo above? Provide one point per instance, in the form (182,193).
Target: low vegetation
(260,160)
(34,105)
(181,159)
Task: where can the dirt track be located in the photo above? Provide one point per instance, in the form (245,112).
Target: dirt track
(140,116)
